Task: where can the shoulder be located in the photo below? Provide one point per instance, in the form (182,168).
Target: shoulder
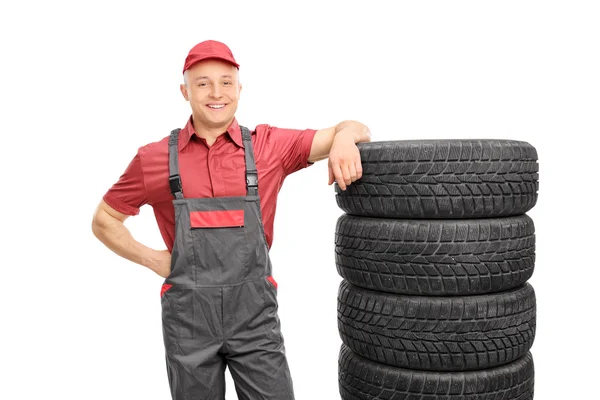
(269,132)
(261,134)
(262,129)
(155,148)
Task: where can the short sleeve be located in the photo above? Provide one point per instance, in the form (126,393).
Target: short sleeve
(128,194)
(293,147)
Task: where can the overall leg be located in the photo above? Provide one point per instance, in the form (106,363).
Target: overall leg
(197,375)
(262,373)
(256,352)
(193,343)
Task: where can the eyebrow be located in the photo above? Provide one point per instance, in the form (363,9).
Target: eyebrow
(206,77)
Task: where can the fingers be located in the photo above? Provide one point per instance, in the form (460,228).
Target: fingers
(331,177)
(353,173)
(344,171)
(339,176)
(359,169)
(346,174)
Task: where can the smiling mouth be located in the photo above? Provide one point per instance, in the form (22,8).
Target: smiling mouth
(216,106)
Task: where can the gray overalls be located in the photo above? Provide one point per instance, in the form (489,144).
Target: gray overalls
(219,303)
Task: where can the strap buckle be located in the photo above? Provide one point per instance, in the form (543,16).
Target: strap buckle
(252,179)
(175,183)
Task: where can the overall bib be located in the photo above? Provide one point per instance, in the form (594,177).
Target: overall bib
(219,303)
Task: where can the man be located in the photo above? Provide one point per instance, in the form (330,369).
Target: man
(213,186)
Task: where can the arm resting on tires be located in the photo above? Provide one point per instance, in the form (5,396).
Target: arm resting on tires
(324,138)
(108,226)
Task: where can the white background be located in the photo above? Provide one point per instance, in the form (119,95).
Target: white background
(84,84)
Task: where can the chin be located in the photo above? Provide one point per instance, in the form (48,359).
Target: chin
(221,121)
(218,123)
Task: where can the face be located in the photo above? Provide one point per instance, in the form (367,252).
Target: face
(213,91)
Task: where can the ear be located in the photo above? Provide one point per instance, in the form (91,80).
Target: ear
(184,92)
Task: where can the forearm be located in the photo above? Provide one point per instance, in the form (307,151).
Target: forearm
(115,235)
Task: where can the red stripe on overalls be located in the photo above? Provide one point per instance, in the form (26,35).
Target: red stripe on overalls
(217,219)
(164,288)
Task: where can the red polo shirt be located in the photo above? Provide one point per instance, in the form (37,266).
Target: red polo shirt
(210,171)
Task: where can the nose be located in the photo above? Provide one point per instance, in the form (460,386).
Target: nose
(215,92)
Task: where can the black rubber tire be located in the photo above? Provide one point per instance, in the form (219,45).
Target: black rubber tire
(437,333)
(443,179)
(435,257)
(362,379)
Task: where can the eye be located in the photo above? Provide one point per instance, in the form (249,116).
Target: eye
(202,84)
(227,83)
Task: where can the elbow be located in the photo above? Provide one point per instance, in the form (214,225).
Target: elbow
(96,225)
(99,222)
(106,219)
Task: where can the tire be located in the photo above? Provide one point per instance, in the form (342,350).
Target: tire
(437,333)
(362,379)
(443,179)
(435,257)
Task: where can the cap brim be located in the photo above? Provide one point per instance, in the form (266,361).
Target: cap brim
(191,63)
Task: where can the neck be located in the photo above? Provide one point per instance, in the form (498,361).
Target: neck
(209,132)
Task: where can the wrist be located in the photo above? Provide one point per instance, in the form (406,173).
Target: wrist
(346,135)
(352,130)
(148,258)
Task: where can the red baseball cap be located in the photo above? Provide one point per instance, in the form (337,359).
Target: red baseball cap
(209,49)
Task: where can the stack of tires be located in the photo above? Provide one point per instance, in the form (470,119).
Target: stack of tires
(435,250)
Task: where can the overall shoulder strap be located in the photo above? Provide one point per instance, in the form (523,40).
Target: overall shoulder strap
(174,178)
(251,173)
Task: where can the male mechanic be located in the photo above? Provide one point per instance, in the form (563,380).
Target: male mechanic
(213,187)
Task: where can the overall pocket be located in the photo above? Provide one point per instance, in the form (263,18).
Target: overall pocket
(177,312)
(271,324)
(220,245)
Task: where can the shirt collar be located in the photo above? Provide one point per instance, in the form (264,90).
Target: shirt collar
(234,131)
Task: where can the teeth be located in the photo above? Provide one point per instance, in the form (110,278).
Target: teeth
(216,106)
